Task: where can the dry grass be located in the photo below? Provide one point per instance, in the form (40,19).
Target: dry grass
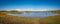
(56,12)
(7,19)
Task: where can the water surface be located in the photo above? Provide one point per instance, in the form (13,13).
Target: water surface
(35,14)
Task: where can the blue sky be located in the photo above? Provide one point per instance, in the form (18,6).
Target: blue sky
(29,4)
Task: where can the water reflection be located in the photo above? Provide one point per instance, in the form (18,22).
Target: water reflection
(35,14)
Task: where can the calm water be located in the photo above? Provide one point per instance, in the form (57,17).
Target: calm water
(35,14)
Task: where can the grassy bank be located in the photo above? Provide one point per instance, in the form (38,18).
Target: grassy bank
(7,19)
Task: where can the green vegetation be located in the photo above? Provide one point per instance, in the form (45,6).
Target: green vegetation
(53,20)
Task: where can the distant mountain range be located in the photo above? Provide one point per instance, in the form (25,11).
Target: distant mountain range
(29,10)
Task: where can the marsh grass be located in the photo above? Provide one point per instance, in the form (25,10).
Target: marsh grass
(7,19)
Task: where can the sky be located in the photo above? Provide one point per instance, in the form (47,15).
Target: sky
(23,5)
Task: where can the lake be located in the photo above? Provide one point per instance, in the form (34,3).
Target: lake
(35,14)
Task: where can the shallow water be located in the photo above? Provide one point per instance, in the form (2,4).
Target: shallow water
(35,14)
